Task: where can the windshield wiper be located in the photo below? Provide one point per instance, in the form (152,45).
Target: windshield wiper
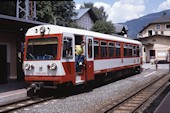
(32,56)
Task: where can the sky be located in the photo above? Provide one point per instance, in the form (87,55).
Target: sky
(120,11)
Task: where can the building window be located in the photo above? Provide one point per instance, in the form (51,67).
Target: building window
(144,49)
(156,32)
(154,40)
(168,26)
(158,26)
(150,33)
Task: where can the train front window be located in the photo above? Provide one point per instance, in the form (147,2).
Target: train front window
(42,48)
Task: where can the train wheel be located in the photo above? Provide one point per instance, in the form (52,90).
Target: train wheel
(137,70)
(31,92)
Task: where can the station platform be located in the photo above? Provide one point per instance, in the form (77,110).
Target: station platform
(164,105)
(12,92)
(12,86)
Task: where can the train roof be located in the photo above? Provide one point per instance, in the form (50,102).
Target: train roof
(55,29)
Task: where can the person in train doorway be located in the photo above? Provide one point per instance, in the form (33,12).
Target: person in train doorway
(79,51)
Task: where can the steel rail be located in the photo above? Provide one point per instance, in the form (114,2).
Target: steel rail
(130,103)
(22,103)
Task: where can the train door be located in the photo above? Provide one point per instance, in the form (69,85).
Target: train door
(3,64)
(68,55)
(89,54)
(85,71)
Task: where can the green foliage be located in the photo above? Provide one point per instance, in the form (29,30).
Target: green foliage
(8,8)
(103,27)
(63,11)
(56,12)
(44,11)
(99,12)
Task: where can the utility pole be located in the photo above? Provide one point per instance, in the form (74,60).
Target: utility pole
(26,9)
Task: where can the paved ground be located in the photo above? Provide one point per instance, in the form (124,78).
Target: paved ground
(153,66)
(12,86)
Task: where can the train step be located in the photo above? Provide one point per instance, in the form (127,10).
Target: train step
(78,80)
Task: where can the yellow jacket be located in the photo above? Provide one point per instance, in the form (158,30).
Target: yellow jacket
(79,50)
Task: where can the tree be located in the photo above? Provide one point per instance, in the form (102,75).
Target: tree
(44,11)
(63,11)
(103,27)
(99,12)
(56,12)
(8,8)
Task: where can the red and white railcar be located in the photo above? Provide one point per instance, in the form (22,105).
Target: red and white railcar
(49,55)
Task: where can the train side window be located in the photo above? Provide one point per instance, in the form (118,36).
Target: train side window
(103,49)
(117,49)
(67,48)
(137,51)
(96,48)
(111,49)
(126,50)
(90,48)
(130,50)
(134,50)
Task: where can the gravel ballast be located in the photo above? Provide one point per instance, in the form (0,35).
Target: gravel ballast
(95,100)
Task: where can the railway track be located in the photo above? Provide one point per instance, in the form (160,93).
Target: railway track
(131,103)
(22,103)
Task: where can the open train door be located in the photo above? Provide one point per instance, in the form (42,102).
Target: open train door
(89,54)
(85,72)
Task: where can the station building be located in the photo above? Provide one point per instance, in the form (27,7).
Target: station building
(12,33)
(155,38)
(85,18)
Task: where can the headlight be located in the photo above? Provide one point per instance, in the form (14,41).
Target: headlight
(52,66)
(29,66)
(42,30)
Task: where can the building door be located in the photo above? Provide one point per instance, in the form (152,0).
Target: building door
(3,64)
(152,54)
